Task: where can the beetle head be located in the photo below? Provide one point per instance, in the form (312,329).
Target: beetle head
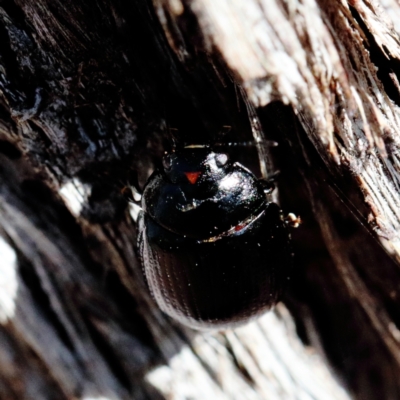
(195,166)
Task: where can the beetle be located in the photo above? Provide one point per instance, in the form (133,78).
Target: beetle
(215,250)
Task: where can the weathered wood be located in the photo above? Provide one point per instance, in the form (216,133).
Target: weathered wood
(336,63)
(88,92)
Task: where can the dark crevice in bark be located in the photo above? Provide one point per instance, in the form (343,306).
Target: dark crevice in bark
(110,356)
(238,364)
(33,284)
(9,150)
(130,319)
(388,67)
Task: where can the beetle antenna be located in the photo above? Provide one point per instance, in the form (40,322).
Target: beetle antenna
(258,134)
(132,191)
(249,143)
(221,135)
(174,137)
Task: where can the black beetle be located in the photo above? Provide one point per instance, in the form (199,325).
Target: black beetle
(215,250)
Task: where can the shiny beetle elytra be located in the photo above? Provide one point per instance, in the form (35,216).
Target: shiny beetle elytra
(215,250)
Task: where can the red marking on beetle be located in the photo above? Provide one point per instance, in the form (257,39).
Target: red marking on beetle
(239,227)
(192,176)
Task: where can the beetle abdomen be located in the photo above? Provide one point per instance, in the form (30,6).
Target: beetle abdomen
(218,283)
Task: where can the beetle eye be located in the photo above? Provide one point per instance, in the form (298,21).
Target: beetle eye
(167,162)
(221,160)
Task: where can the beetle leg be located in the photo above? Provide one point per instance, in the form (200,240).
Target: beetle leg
(132,190)
(269,182)
(272,177)
(268,185)
(292,220)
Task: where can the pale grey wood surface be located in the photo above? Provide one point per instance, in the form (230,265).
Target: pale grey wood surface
(88,91)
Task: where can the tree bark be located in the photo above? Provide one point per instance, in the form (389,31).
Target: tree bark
(90,92)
